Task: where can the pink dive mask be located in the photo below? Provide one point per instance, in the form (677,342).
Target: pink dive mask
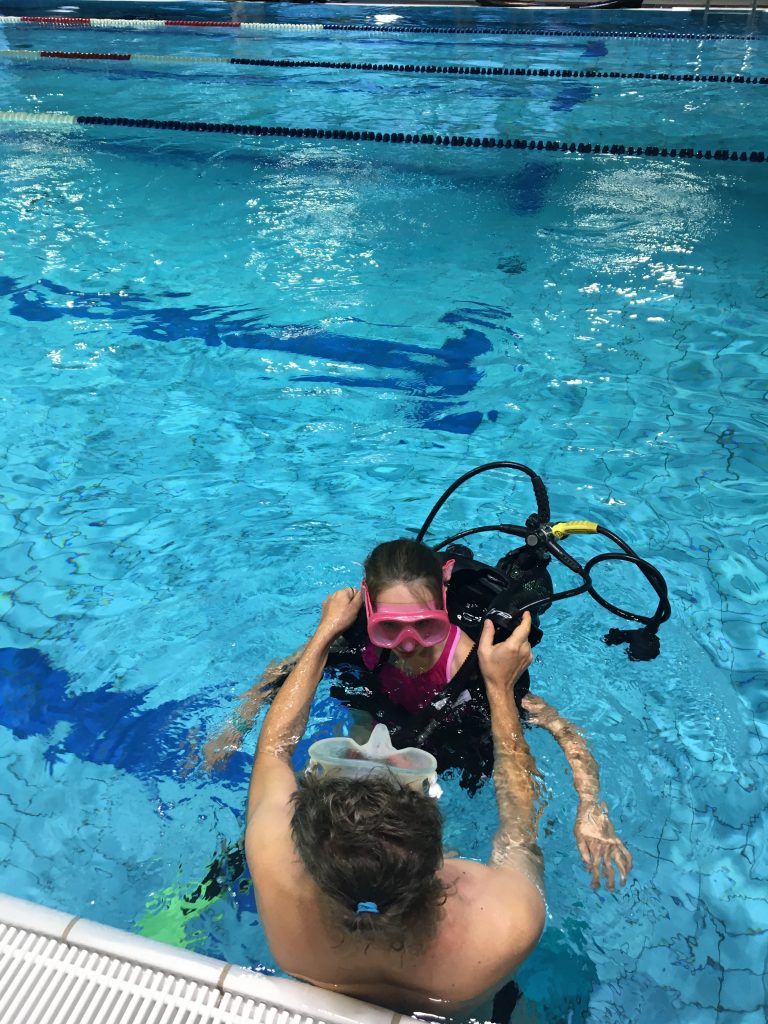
(408,625)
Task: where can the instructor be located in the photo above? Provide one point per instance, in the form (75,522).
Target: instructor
(351,883)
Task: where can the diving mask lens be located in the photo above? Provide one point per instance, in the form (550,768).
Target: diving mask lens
(386,632)
(392,624)
(390,632)
(344,757)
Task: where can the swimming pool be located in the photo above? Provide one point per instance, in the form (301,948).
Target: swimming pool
(231,365)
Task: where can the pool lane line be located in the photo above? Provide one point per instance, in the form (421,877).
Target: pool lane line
(288,26)
(430,69)
(411,138)
(149,24)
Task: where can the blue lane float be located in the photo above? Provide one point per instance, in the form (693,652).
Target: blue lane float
(470,69)
(394,138)
(429,139)
(423,69)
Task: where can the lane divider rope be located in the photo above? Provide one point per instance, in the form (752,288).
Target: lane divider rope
(452,69)
(149,24)
(288,26)
(411,138)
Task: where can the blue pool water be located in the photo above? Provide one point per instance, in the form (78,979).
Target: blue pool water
(231,366)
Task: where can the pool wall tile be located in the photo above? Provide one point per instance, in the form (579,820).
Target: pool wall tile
(686,1013)
(743,991)
(644,999)
(737,1017)
(705,983)
(745,911)
(738,950)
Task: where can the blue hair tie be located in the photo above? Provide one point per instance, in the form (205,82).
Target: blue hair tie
(367,908)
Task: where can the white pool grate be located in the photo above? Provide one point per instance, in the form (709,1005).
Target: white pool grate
(56,969)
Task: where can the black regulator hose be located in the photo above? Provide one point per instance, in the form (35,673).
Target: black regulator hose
(510,528)
(652,575)
(540,535)
(539,490)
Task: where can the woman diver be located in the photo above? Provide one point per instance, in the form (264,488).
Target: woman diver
(408,662)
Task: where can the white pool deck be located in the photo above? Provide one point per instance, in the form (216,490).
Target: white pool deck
(60,969)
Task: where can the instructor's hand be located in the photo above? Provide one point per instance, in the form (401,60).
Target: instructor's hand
(340,609)
(503,664)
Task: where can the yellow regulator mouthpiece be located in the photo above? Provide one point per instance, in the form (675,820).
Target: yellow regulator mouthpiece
(560,530)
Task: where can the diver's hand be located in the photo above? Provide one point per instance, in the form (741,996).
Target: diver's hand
(503,664)
(340,609)
(599,846)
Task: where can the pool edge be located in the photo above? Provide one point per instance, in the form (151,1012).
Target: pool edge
(47,959)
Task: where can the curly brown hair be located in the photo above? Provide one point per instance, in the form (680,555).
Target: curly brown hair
(372,841)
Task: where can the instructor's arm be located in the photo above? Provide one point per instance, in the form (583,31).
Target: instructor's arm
(286,720)
(515,854)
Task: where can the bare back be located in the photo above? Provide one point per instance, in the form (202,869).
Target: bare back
(491,921)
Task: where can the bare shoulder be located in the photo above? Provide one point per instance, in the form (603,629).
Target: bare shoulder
(273,862)
(284,895)
(502,911)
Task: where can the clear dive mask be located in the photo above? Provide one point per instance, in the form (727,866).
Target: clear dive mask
(341,755)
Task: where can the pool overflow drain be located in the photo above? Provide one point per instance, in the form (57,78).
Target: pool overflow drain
(408,138)
(424,69)
(287,26)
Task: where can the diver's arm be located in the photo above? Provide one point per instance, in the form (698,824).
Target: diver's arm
(220,747)
(586,775)
(514,771)
(596,837)
(286,719)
